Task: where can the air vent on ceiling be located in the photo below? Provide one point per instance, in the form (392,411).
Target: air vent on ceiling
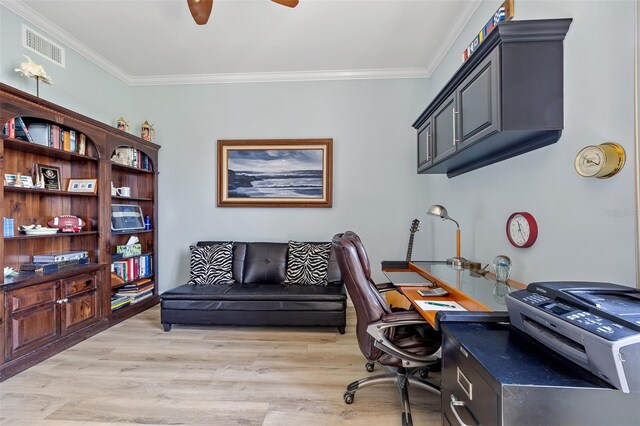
(42,46)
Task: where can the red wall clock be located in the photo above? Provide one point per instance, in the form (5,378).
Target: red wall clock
(522,229)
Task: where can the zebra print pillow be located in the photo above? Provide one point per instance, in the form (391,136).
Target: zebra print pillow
(211,264)
(307,263)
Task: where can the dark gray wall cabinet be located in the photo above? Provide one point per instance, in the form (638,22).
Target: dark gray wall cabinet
(505,100)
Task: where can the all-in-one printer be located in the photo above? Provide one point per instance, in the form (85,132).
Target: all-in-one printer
(595,325)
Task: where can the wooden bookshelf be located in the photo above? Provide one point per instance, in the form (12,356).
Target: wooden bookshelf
(41,314)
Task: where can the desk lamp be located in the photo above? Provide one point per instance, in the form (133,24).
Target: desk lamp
(441,212)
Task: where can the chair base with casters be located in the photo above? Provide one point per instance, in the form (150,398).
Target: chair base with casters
(402,378)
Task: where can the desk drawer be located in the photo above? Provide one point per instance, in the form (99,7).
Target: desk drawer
(466,397)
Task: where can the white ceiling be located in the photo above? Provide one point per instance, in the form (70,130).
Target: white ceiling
(157,41)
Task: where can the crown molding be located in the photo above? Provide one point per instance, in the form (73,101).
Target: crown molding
(278,77)
(452,36)
(42,23)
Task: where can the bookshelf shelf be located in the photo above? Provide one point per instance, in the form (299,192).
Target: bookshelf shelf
(48,192)
(130,169)
(29,278)
(58,235)
(119,198)
(139,231)
(34,148)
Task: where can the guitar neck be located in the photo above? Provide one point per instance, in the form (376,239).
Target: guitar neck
(410,247)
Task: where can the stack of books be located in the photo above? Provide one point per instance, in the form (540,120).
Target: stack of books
(48,263)
(131,157)
(118,302)
(137,291)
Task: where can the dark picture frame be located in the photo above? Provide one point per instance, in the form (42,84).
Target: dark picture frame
(126,217)
(49,177)
(275,173)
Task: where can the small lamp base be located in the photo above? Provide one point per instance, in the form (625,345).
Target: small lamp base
(458,262)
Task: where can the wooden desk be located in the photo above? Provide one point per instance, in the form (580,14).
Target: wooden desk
(473,291)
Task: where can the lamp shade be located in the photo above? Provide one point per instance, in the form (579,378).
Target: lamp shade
(438,210)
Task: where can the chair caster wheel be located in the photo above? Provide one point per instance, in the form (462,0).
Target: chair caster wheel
(348,398)
(370,366)
(424,373)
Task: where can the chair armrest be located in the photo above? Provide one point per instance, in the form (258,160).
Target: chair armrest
(397,319)
(384,287)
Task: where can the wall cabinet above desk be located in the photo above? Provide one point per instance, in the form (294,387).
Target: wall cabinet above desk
(505,100)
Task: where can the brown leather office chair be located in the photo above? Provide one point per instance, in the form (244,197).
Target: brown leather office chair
(402,342)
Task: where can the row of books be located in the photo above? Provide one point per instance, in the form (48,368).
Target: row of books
(131,294)
(46,134)
(133,268)
(131,157)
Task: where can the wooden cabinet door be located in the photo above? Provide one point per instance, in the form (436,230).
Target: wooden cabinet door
(80,307)
(425,137)
(444,129)
(33,316)
(479,101)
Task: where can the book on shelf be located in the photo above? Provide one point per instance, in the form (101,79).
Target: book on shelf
(118,302)
(40,133)
(39,268)
(21,131)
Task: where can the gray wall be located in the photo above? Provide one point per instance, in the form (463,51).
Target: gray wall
(81,86)
(374,182)
(587,225)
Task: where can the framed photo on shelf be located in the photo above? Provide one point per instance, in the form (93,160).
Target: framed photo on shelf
(275,173)
(126,217)
(83,185)
(49,177)
(10,179)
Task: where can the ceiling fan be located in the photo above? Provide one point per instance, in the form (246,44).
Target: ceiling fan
(201,9)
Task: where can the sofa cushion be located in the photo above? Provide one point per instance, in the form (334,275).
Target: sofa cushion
(307,263)
(257,292)
(265,263)
(211,264)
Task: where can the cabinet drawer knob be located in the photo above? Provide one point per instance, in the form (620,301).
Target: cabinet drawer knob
(454,404)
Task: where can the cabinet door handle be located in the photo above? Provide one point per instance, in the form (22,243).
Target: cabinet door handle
(454,404)
(428,147)
(61,301)
(455,138)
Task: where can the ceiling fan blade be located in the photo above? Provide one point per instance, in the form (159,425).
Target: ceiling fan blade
(200,10)
(288,3)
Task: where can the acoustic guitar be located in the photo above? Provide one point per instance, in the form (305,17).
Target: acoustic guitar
(415,227)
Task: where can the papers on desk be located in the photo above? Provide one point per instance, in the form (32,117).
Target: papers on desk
(445,305)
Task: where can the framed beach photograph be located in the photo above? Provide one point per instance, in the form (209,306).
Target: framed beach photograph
(83,185)
(50,177)
(275,173)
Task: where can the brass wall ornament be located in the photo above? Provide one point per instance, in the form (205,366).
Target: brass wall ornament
(600,161)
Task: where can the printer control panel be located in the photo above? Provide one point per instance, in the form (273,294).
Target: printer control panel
(576,316)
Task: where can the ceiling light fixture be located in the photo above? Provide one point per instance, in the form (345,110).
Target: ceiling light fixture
(201,9)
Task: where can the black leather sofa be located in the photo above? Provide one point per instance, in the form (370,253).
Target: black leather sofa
(258,295)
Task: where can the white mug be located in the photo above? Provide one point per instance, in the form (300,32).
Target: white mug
(125,191)
(114,191)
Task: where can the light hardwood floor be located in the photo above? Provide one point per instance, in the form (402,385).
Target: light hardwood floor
(137,373)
